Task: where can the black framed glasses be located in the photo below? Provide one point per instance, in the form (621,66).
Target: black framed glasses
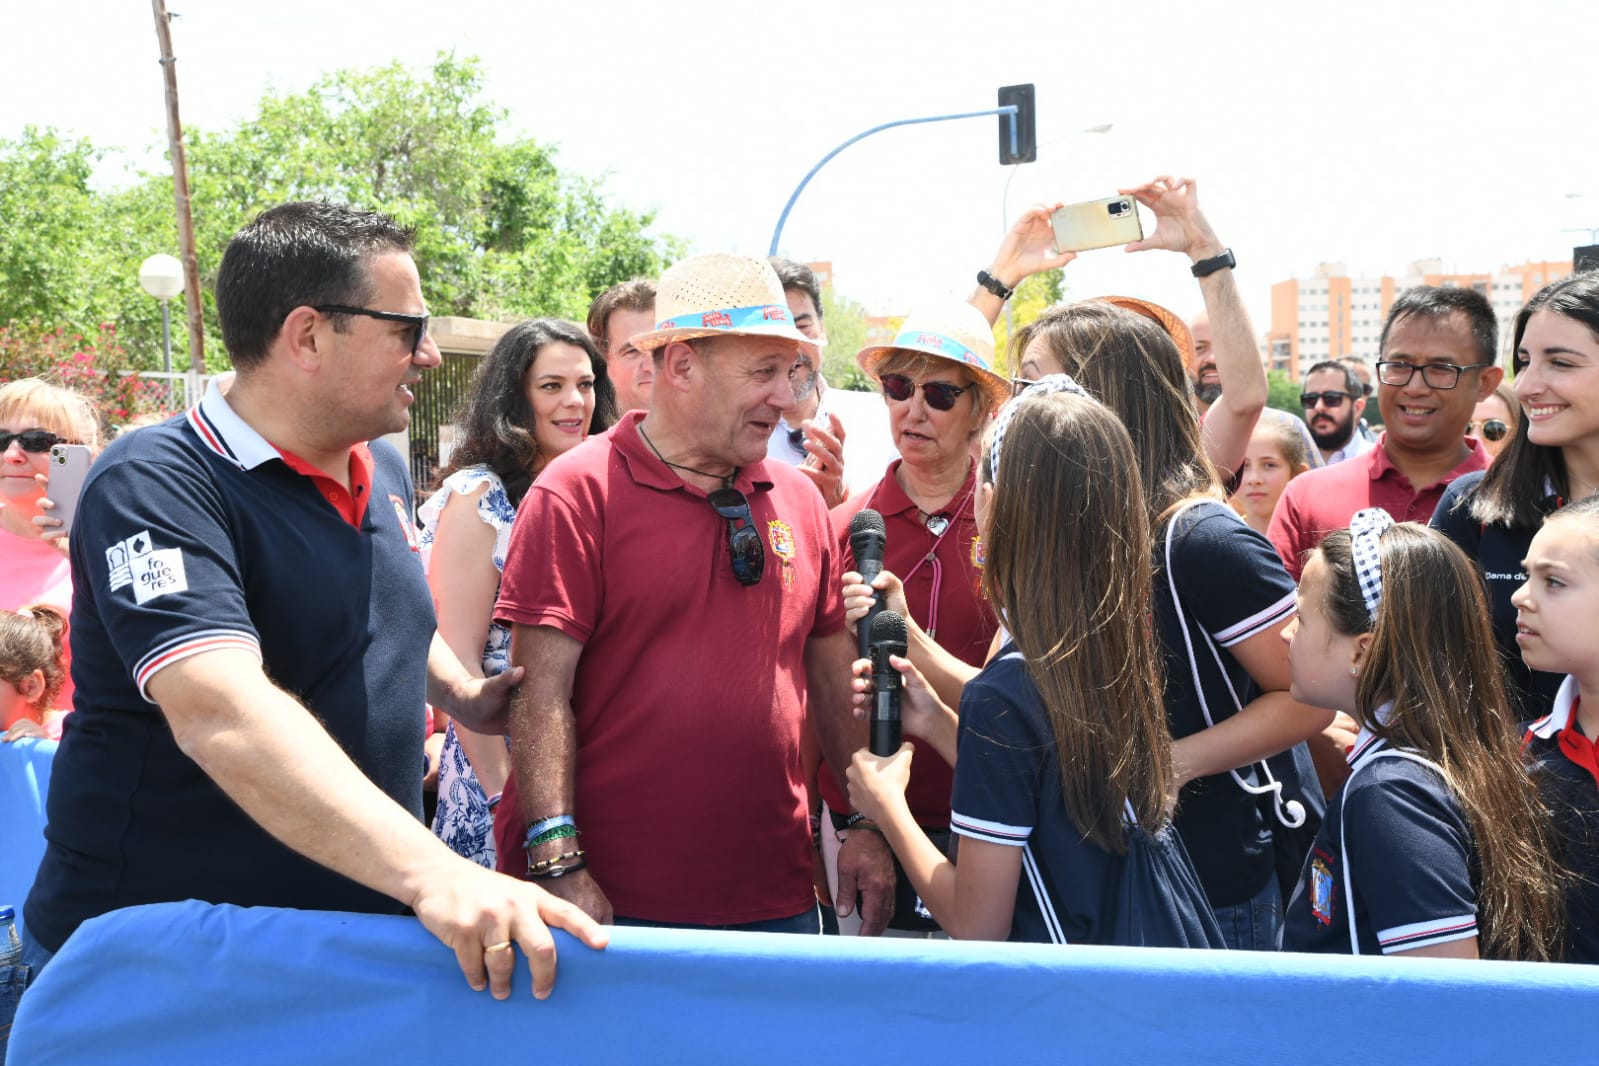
(940,395)
(1020,385)
(419,321)
(1397,372)
(1493,429)
(1330,400)
(36,441)
(743,541)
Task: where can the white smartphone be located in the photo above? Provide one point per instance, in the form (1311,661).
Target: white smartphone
(69,466)
(1097,224)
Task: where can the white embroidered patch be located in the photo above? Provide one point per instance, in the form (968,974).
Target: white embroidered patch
(158,573)
(152,573)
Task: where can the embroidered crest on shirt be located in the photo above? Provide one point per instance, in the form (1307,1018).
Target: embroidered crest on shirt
(781,537)
(152,572)
(406,525)
(1321,891)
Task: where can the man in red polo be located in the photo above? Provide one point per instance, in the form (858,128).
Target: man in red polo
(1436,365)
(675,600)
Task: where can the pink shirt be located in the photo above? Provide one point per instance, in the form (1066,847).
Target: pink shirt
(33,571)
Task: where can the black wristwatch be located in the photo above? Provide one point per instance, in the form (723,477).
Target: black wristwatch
(1206,267)
(994,285)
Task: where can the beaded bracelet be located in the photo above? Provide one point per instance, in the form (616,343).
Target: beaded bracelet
(556,871)
(860,821)
(494,801)
(535,868)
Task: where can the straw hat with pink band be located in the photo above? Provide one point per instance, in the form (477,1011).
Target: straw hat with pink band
(1175,327)
(957,332)
(721,295)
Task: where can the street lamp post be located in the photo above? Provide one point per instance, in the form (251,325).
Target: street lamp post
(162,277)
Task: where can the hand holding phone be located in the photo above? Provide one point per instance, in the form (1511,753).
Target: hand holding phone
(1096,224)
(69,466)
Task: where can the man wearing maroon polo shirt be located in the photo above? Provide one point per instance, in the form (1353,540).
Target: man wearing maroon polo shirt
(675,601)
(1436,365)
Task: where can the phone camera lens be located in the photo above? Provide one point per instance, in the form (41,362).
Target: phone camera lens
(1118,208)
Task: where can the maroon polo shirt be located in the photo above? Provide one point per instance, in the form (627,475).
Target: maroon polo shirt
(690,693)
(947,600)
(1320,501)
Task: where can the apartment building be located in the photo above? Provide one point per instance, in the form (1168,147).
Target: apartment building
(1330,313)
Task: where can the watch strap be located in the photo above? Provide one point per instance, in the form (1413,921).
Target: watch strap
(1206,267)
(994,285)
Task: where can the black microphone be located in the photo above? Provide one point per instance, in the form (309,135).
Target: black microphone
(868,537)
(889,634)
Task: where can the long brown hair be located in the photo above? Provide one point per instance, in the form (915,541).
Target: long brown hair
(1512,490)
(1432,655)
(1069,568)
(1131,366)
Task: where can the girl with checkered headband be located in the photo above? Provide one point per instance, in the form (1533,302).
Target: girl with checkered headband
(1437,844)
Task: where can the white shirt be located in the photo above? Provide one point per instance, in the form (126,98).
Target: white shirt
(868,444)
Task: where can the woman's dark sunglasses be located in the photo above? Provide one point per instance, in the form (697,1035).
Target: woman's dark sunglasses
(940,395)
(743,541)
(1493,429)
(37,441)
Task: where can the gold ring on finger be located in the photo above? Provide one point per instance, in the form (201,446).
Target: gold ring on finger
(504,945)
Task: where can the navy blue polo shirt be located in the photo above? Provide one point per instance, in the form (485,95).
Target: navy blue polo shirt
(1413,861)
(1498,550)
(1233,586)
(1570,792)
(196,535)
(1008,791)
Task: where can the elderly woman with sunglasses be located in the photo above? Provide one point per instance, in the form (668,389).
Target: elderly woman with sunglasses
(940,391)
(1550,458)
(34,415)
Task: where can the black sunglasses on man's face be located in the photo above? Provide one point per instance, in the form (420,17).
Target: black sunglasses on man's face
(419,321)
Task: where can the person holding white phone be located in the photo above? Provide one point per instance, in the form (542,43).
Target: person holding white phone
(35,416)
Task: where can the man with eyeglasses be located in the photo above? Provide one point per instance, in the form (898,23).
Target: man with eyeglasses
(1333,400)
(675,599)
(1437,363)
(253,638)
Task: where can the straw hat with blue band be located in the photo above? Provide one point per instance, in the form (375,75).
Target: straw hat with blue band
(957,332)
(721,295)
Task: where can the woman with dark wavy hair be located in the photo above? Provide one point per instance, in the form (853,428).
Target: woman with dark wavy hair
(540,392)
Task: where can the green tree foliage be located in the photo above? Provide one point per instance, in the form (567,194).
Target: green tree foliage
(846,335)
(1284,392)
(502,232)
(1034,296)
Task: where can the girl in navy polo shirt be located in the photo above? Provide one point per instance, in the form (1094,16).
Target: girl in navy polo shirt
(1061,739)
(1557,612)
(1437,844)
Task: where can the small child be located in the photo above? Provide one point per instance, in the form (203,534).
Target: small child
(33,667)
(1276,456)
(1557,615)
(1437,844)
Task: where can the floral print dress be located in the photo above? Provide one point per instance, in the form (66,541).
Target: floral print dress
(463,820)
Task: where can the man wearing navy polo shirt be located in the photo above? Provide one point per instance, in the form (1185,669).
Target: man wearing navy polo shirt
(253,637)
